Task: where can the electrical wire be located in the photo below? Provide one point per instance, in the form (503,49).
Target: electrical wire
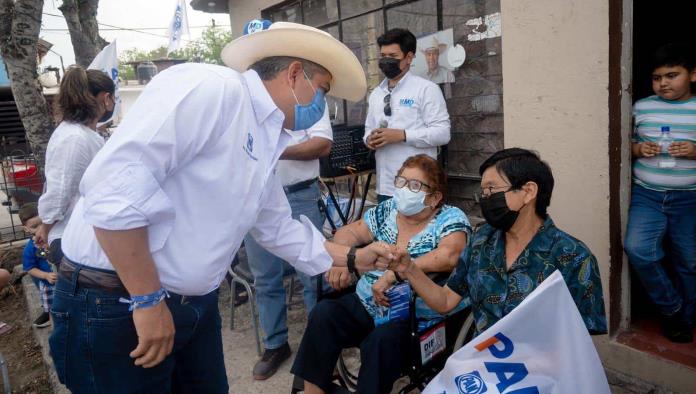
(140,28)
(119,28)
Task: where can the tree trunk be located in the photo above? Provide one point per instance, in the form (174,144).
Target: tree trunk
(81,16)
(20,22)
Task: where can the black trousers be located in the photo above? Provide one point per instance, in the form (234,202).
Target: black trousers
(343,323)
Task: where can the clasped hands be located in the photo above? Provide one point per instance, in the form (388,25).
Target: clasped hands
(383,136)
(375,256)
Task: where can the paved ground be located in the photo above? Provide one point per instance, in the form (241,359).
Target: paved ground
(240,350)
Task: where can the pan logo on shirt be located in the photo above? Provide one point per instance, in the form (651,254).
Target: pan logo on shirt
(249,147)
(470,383)
(407,102)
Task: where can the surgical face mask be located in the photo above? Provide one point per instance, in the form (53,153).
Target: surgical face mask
(497,213)
(409,203)
(390,67)
(306,115)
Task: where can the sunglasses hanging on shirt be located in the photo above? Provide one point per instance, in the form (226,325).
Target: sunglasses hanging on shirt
(387,105)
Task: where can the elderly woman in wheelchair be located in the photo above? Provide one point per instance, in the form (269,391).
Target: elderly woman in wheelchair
(434,234)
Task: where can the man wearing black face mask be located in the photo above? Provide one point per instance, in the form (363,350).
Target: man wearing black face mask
(516,250)
(407,114)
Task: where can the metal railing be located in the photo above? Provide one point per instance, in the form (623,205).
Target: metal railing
(21,182)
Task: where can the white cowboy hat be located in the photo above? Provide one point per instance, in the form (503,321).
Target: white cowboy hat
(435,43)
(304,42)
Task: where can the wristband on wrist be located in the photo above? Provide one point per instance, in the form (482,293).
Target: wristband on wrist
(145,301)
(350,261)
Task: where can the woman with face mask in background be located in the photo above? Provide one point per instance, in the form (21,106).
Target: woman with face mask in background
(518,247)
(434,234)
(86,97)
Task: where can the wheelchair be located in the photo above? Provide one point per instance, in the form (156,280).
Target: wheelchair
(429,347)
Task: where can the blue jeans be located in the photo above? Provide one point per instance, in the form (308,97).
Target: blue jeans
(93,334)
(268,271)
(652,216)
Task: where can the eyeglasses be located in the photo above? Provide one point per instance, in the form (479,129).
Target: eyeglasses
(485,192)
(387,105)
(414,185)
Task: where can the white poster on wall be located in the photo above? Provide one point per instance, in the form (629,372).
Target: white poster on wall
(437,57)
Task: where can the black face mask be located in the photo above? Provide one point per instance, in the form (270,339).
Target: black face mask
(107,115)
(497,213)
(390,67)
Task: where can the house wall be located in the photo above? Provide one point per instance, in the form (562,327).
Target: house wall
(242,11)
(556,80)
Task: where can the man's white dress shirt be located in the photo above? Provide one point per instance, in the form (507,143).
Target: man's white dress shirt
(294,171)
(70,150)
(194,161)
(418,107)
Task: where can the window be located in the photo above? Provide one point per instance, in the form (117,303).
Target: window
(319,12)
(360,35)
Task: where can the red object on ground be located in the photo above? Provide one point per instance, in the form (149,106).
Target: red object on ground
(23,174)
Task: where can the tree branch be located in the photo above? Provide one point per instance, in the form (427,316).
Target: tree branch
(81,16)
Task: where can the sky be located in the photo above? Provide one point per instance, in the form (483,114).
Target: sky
(132,14)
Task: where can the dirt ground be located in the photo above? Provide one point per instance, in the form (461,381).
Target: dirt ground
(18,346)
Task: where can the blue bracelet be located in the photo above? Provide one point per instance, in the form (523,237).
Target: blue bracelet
(145,301)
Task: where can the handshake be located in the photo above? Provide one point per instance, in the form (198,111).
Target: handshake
(375,256)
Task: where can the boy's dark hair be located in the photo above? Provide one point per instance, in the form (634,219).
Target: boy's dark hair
(403,37)
(520,166)
(28,211)
(674,55)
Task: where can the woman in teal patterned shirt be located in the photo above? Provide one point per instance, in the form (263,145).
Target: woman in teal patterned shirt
(434,234)
(516,250)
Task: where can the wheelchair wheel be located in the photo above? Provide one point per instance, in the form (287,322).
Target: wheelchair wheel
(466,333)
(348,367)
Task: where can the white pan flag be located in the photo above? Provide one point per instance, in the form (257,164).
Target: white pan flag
(107,61)
(178,26)
(541,347)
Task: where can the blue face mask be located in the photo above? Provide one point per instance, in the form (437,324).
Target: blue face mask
(409,203)
(308,114)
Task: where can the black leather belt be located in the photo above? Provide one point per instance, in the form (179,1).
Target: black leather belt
(296,187)
(91,278)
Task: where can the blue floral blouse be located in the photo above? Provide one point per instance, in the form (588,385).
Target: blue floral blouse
(381,221)
(495,291)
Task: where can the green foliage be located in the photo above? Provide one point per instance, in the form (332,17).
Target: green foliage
(206,49)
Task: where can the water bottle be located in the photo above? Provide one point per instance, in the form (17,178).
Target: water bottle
(665,160)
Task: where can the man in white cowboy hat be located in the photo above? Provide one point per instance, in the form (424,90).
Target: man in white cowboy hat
(166,203)
(436,73)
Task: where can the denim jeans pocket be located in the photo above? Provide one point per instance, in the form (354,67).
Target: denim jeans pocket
(114,336)
(58,343)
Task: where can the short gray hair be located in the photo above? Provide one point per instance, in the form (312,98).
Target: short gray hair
(269,67)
